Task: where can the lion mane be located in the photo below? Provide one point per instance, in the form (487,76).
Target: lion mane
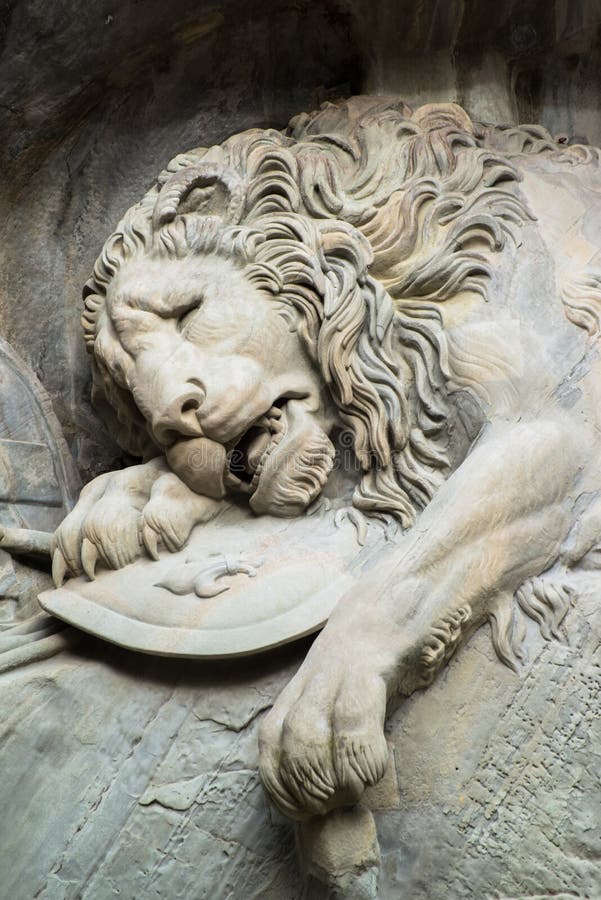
(365,217)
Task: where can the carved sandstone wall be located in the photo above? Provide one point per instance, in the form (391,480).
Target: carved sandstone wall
(137,777)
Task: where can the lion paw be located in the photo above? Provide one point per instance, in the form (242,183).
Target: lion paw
(105,524)
(323,742)
(122,515)
(171,513)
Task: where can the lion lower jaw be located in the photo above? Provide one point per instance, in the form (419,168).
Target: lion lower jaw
(293,471)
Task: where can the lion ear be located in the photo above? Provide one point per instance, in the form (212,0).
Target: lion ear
(205,188)
(347,256)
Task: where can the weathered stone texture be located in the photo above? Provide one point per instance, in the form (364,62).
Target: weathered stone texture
(505,776)
(137,777)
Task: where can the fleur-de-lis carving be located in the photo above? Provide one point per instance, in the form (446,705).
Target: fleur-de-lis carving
(201,576)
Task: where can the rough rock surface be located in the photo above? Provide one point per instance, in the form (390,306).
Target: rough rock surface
(137,777)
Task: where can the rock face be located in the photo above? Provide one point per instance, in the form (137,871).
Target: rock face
(507,788)
(135,776)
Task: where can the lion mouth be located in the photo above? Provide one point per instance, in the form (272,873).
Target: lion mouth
(247,457)
(280,463)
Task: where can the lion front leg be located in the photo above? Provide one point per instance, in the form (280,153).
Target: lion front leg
(171,513)
(125,514)
(500,519)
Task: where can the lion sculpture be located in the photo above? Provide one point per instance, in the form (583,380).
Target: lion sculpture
(428,285)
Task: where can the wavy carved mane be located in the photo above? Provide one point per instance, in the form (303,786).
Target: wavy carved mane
(363,216)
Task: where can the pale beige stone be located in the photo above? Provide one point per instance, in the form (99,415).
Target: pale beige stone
(395,312)
(341,851)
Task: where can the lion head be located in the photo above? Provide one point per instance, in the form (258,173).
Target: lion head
(280,286)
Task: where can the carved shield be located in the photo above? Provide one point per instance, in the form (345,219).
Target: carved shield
(243,584)
(38,478)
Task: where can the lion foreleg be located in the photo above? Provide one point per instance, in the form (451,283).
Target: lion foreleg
(500,518)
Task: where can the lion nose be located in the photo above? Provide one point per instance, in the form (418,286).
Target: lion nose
(179,417)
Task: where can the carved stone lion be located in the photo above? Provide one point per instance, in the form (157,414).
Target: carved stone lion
(428,285)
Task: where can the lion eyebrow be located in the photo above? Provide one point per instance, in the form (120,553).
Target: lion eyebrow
(159,304)
(143,301)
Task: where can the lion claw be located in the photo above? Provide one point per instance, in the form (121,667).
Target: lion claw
(59,568)
(89,558)
(150,539)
